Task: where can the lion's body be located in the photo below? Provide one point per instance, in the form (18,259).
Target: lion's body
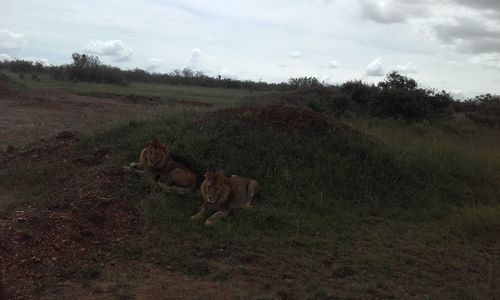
(225,194)
(156,161)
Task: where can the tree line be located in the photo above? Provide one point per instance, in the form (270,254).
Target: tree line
(397,96)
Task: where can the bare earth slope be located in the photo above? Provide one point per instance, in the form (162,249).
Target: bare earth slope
(89,231)
(32,114)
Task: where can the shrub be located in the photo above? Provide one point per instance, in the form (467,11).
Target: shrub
(22,66)
(359,91)
(89,68)
(399,97)
(302,82)
(483,109)
(323,99)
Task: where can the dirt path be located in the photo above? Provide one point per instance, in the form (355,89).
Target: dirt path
(30,115)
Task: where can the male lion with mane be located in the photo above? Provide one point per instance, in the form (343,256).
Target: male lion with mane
(225,194)
(156,161)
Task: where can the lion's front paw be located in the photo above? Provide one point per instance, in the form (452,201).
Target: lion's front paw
(209,222)
(195,217)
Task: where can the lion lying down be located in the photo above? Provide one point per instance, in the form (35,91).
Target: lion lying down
(156,161)
(225,194)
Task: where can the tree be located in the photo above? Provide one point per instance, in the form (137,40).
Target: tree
(305,81)
(394,80)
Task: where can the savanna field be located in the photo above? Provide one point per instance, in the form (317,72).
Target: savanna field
(367,192)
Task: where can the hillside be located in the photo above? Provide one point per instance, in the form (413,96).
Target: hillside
(353,205)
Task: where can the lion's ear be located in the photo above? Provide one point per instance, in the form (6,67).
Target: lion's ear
(210,174)
(156,142)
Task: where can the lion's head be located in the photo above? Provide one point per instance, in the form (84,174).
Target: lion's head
(215,187)
(156,154)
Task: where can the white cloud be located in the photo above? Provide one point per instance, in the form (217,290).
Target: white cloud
(5,57)
(491,60)
(458,94)
(194,60)
(153,64)
(225,73)
(11,42)
(295,54)
(116,49)
(43,61)
(209,38)
(333,64)
(375,68)
(408,68)
(454,63)
(326,79)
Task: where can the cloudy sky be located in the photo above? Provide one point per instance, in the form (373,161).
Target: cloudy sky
(446,44)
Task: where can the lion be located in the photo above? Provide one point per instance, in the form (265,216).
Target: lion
(155,160)
(225,194)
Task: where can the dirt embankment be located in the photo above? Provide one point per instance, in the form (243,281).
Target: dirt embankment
(87,231)
(281,116)
(41,245)
(29,115)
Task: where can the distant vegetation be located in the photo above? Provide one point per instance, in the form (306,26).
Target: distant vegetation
(397,97)
(89,68)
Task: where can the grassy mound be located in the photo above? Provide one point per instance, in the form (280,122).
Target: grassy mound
(308,176)
(321,158)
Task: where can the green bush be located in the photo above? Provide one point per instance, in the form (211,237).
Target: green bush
(399,97)
(483,109)
(329,100)
(89,68)
(360,92)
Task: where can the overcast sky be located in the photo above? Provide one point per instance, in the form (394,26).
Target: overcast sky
(445,44)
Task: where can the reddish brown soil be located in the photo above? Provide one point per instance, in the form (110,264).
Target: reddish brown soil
(283,116)
(34,114)
(39,246)
(155,100)
(51,252)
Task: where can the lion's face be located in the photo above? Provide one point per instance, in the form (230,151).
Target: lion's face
(215,186)
(156,155)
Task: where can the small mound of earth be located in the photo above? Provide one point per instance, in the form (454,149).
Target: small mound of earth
(42,246)
(281,116)
(66,134)
(298,97)
(145,100)
(155,100)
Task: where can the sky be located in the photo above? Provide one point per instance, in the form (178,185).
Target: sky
(444,44)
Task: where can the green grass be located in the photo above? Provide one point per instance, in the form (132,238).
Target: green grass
(321,191)
(377,208)
(219,96)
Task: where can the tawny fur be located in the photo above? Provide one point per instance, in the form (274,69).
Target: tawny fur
(156,161)
(225,194)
